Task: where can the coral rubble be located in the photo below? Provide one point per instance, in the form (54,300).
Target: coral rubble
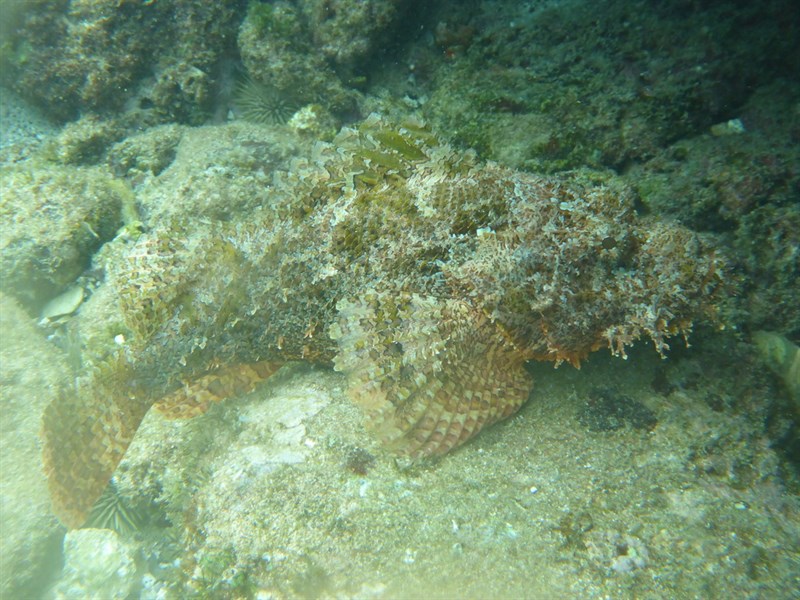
(426,276)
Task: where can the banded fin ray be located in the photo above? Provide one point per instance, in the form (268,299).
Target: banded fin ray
(429,374)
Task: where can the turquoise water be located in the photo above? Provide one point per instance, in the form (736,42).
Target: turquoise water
(284,285)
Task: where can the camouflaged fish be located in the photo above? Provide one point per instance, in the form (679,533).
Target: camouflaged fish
(427,277)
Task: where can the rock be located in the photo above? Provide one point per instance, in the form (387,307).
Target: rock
(52,219)
(100,59)
(30,372)
(783,358)
(97,565)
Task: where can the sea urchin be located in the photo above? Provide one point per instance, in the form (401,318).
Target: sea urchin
(260,103)
(112,511)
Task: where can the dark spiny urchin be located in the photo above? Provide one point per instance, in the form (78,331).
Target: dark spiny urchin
(112,511)
(260,103)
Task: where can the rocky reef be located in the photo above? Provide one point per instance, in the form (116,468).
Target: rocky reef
(178,62)
(316,51)
(581,84)
(426,276)
(101,56)
(183,216)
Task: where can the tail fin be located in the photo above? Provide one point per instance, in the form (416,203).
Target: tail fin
(86,432)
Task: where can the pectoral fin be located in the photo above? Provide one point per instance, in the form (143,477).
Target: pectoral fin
(430,374)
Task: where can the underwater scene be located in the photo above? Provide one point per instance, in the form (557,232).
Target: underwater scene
(399,299)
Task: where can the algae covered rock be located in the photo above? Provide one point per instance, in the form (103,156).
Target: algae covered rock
(84,141)
(553,86)
(743,188)
(52,219)
(84,54)
(99,55)
(427,277)
(347,31)
(146,153)
(217,477)
(315,52)
(782,356)
(219,172)
(278,52)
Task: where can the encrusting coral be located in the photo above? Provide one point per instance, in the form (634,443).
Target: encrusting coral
(424,275)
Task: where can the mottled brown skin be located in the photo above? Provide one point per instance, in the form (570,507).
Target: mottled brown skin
(426,277)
